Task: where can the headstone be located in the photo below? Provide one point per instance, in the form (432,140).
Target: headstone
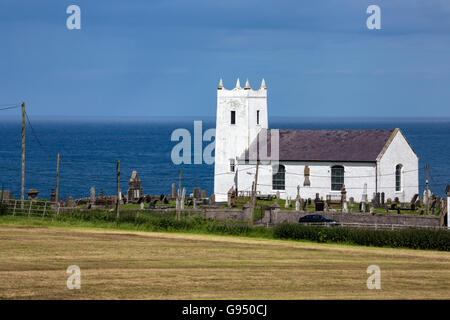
(364,195)
(382,198)
(142,205)
(372,210)
(317,196)
(197,194)
(100,194)
(306,172)
(203,193)
(297,205)
(389,201)
(309,201)
(52,196)
(320,205)
(298,193)
(343,195)
(345,207)
(92,195)
(231,197)
(213,198)
(174,193)
(351,202)
(377,200)
(278,194)
(414,199)
(303,204)
(32,194)
(286,205)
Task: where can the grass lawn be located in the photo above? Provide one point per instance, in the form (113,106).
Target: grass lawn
(138,265)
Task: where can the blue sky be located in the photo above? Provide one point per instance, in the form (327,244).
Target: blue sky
(164,58)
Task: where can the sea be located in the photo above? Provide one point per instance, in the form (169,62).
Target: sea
(89,150)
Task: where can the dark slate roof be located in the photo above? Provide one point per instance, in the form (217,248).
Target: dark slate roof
(329,145)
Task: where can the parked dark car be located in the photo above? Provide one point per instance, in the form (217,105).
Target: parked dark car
(319,219)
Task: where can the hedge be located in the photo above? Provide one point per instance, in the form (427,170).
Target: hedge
(402,238)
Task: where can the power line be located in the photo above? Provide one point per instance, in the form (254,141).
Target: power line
(7,107)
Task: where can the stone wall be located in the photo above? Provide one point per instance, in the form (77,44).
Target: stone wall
(279,216)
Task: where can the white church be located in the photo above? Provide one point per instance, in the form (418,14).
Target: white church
(306,161)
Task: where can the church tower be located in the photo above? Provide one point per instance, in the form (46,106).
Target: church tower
(241,114)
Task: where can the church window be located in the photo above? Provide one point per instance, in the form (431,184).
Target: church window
(398,177)
(337,178)
(257,117)
(278,178)
(232,165)
(233,117)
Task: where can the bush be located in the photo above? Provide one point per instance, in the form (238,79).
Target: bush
(403,238)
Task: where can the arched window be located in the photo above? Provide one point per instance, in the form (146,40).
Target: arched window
(337,178)
(278,178)
(398,177)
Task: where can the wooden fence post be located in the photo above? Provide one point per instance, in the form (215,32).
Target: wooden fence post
(45,207)
(15,204)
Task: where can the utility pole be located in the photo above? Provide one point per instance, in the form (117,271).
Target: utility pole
(179,180)
(118,189)
(426,184)
(57,178)
(22,188)
(254,192)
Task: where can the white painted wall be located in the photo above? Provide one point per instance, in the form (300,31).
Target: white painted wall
(355,175)
(399,152)
(233,139)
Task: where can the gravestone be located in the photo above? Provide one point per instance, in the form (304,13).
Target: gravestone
(303,204)
(351,201)
(278,194)
(382,198)
(343,195)
(52,196)
(197,193)
(364,195)
(320,205)
(377,200)
(213,198)
(92,195)
(33,194)
(101,193)
(174,193)
(309,201)
(286,204)
(414,199)
(306,172)
(389,201)
(297,205)
(345,207)
(203,194)
(141,205)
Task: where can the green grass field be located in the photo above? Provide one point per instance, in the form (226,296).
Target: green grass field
(141,265)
